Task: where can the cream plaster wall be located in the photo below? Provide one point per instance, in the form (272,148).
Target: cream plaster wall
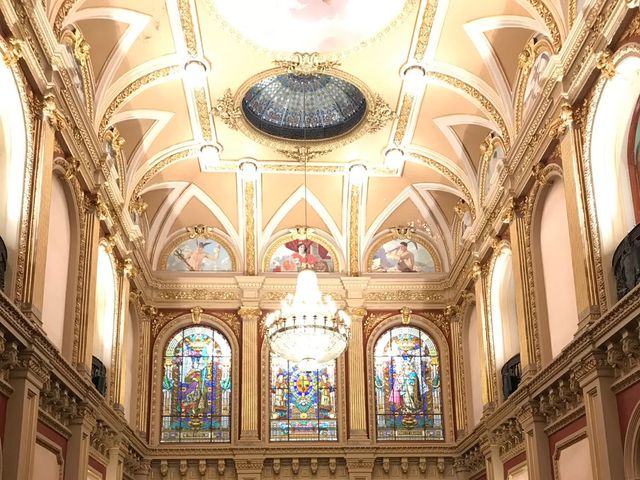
(131,367)
(105,308)
(472,355)
(504,320)
(555,252)
(519,473)
(574,462)
(45,464)
(57,266)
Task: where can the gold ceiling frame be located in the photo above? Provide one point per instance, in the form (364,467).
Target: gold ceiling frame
(312,236)
(487,148)
(536,46)
(399,234)
(229,109)
(198,232)
(73,37)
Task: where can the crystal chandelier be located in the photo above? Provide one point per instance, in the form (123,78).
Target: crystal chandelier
(308,329)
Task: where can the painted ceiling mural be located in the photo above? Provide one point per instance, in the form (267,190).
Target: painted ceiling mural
(425,82)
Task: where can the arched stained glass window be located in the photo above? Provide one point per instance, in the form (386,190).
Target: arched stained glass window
(303,403)
(407,385)
(196,387)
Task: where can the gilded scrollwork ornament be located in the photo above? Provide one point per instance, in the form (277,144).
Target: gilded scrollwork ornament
(307,63)
(13,53)
(226,109)
(51,113)
(604,63)
(379,114)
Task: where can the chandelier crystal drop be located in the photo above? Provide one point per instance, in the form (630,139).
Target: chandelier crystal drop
(308,329)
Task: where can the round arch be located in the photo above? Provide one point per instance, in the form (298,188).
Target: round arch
(15,157)
(606,152)
(442,345)
(501,306)
(555,302)
(157,365)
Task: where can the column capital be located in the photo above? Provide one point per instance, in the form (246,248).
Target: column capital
(559,127)
(357,313)
(31,365)
(594,365)
(529,413)
(249,313)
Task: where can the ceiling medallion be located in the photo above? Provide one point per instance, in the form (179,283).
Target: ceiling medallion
(304,115)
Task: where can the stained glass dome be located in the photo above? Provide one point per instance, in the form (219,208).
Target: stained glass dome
(304,107)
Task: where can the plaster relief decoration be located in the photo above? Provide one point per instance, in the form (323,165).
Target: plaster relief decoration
(407,386)
(199,250)
(326,26)
(293,254)
(196,387)
(303,403)
(397,253)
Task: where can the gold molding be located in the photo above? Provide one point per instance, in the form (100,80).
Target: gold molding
(549,21)
(131,89)
(354,224)
(403,119)
(445,171)
(250,227)
(338,267)
(229,109)
(197,231)
(415,236)
(526,60)
(489,108)
(426,25)
(487,148)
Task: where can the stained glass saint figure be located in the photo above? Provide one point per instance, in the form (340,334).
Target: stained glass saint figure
(407,386)
(196,387)
(303,403)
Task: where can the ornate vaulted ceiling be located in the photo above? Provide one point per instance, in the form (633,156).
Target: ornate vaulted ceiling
(478,58)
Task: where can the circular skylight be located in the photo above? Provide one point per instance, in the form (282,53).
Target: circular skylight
(304,107)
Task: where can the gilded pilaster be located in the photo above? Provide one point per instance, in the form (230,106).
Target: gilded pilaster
(533,423)
(77,460)
(32,292)
(145,316)
(523,278)
(595,377)
(250,373)
(90,238)
(27,379)
(493,463)
(357,399)
(487,367)
(568,132)
(250,225)
(125,270)
(453,313)
(354,229)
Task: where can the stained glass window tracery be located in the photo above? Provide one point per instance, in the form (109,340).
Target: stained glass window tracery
(303,403)
(196,387)
(407,386)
